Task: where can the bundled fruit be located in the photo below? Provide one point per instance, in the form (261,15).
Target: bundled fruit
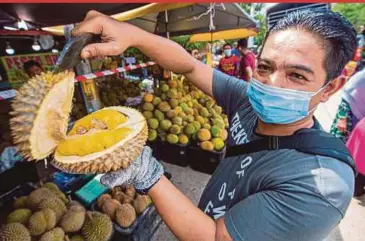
(115,91)
(178,112)
(123,205)
(47,215)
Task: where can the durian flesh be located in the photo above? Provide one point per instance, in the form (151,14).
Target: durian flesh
(107,140)
(98,150)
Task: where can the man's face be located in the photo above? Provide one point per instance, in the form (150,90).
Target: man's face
(33,71)
(361,28)
(195,54)
(293,59)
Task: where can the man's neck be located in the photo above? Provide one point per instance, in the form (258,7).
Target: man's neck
(283,129)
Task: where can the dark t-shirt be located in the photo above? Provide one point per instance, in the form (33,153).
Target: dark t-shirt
(247,60)
(280,195)
(229,65)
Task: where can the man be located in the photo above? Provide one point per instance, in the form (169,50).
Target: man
(229,63)
(235,50)
(248,60)
(32,68)
(267,195)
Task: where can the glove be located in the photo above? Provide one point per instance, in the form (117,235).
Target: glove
(143,173)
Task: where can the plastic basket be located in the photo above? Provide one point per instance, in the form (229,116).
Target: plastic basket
(204,161)
(7,199)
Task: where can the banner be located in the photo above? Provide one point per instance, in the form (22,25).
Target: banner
(13,66)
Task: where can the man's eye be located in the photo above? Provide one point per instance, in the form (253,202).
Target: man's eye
(297,76)
(262,67)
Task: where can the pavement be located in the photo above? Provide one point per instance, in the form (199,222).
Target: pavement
(192,184)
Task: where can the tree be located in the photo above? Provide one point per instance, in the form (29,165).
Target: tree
(258,16)
(354,12)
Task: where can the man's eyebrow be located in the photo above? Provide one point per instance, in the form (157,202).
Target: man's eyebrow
(267,61)
(300,67)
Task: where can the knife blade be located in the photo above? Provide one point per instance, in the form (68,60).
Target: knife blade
(70,56)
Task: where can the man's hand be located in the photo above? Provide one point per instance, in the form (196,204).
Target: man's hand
(112,33)
(143,173)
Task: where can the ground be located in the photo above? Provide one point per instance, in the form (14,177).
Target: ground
(192,184)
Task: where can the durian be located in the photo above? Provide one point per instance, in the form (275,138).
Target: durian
(55,204)
(130,190)
(20,202)
(125,215)
(41,111)
(77,238)
(19,216)
(37,196)
(102,199)
(106,140)
(37,224)
(56,234)
(72,221)
(97,227)
(109,207)
(141,203)
(14,232)
(54,188)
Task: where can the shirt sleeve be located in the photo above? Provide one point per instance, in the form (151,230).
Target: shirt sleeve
(228,91)
(278,215)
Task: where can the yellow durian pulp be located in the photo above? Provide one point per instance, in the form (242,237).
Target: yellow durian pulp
(88,144)
(111,118)
(94,140)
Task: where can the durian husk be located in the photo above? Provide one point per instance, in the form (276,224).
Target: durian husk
(117,157)
(41,110)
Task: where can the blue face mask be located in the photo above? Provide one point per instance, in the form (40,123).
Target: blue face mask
(228,52)
(277,105)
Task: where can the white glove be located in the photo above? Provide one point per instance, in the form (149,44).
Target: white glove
(143,173)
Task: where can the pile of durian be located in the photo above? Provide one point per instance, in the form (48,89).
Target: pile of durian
(178,112)
(123,205)
(47,215)
(115,91)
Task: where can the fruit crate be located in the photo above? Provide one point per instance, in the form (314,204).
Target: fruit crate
(204,161)
(7,199)
(20,173)
(143,228)
(176,154)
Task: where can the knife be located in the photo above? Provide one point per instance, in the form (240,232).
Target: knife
(70,56)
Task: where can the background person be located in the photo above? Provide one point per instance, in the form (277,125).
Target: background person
(248,60)
(32,68)
(229,64)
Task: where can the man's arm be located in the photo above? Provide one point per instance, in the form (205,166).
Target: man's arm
(118,36)
(184,219)
(248,72)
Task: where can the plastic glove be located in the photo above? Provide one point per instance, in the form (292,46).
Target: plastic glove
(143,173)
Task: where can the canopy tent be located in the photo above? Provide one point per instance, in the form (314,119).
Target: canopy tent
(226,35)
(38,15)
(183,18)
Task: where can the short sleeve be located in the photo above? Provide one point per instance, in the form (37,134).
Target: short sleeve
(228,91)
(279,215)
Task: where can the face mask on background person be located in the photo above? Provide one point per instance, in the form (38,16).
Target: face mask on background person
(228,52)
(277,105)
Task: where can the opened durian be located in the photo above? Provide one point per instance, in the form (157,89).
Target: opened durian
(106,140)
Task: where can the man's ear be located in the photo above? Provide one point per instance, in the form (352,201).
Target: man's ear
(334,86)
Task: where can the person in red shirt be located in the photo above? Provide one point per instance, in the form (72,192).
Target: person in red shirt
(229,63)
(248,60)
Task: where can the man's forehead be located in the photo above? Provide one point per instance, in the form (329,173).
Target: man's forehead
(293,45)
